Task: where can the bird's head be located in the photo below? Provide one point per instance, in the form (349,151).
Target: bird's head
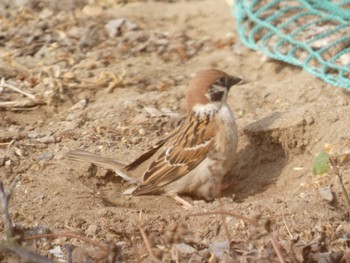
(209,87)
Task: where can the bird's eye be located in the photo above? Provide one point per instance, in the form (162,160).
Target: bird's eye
(222,80)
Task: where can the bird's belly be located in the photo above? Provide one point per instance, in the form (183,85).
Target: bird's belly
(195,181)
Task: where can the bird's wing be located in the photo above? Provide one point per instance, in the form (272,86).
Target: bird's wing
(181,153)
(145,156)
(150,152)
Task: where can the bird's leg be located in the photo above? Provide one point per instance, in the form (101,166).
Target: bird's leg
(183,202)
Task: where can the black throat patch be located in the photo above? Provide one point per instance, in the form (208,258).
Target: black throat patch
(216,95)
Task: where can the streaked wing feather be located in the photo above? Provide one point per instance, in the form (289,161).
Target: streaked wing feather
(182,154)
(150,152)
(145,156)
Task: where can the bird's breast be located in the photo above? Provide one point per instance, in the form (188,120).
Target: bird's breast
(226,138)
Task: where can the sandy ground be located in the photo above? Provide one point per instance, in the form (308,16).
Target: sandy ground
(116,93)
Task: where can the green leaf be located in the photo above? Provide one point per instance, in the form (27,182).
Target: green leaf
(321,163)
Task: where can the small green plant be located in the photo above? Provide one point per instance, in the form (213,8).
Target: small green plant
(336,162)
(321,163)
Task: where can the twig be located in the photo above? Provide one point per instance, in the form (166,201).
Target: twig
(147,243)
(136,252)
(226,230)
(277,248)
(9,246)
(9,146)
(333,162)
(69,235)
(224,224)
(21,104)
(285,224)
(5,198)
(23,253)
(9,86)
(274,241)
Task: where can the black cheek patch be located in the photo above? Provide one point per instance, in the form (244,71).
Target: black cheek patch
(216,96)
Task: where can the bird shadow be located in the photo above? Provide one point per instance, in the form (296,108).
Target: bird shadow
(259,162)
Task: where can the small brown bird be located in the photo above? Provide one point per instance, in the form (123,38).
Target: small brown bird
(195,157)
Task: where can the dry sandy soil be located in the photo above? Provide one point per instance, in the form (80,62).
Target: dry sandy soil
(109,77)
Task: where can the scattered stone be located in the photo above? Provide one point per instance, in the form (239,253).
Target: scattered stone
(153,112)
(91,230)
(59,156)
(45,156)
(92,10)
(115,27)
(8,163)
(57,252)
(309,120)
(80,105)
(219,249)
(135,140)
(142,131)
(71,116)
(49,139)
(18,152)
(182,249)
(139,119)
(129,104)
(13,128)
(326,194)
(302,195)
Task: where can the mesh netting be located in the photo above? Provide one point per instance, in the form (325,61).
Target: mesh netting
(313,34)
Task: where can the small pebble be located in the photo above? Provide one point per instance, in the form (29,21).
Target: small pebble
(219,249)
(80,105)
(135,140)
(142,131)
(13,128)
(49,139)
(183,248)
(57,252)
(71,116)
(302,195)
(59,157)
(91,230)
(32,135)
(309,120)
(129,104)
(8,163)
(40,123)
(18,152)
(153,112)
(326,194)
(45,156)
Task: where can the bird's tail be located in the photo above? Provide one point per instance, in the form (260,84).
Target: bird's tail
(105,162)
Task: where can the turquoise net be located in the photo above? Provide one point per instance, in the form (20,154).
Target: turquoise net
(312,34)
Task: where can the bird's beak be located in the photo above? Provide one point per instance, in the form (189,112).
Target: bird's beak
(233,81)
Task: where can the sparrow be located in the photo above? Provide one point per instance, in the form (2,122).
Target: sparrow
(194,158)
